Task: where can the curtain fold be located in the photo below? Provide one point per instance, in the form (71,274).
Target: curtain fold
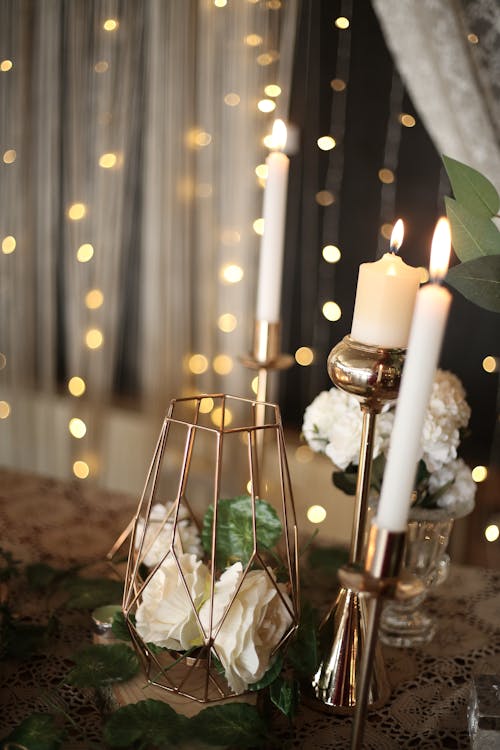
(136,135)
(447,54)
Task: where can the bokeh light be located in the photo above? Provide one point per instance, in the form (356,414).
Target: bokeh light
(331,253)
(77,428)
(331,311)
(316,514)
(304,356)
(84,253)
(76,386)
(479,473)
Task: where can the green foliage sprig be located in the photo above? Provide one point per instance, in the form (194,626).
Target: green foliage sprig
(476,239)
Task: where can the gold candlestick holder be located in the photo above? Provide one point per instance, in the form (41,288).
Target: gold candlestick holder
(373,375)
(378,580)
(266,354)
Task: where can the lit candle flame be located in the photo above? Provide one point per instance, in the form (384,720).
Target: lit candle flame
(440,250)
(279,135)
(397,234)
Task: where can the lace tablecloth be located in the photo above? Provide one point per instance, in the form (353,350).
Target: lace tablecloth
(66,523)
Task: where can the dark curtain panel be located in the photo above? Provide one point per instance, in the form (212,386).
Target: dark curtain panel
(354,220)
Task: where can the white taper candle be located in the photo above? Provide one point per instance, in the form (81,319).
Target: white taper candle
(424,346)
(273,238)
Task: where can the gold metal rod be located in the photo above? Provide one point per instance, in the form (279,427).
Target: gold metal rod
(363,485)
(374,610)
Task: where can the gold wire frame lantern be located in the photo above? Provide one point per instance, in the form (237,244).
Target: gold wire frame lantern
(213,451)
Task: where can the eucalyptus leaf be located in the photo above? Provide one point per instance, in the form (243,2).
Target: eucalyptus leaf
(471,188)
(378,467)
(89,593)
(146,723)
(303,651)
(99,665)
(472,236)
(328,559)
(345,481)
(40,576)
(285,696)
(235,539)
(19,639)
(271,674)
(9,567)
(238,724)
(119,626)
(479,281)
(37,732)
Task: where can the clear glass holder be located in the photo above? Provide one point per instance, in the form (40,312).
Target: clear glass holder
(406,623)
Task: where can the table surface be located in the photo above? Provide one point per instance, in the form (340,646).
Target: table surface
(69,523)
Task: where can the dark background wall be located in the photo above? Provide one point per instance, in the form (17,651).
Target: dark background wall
(364,121)
(363,118)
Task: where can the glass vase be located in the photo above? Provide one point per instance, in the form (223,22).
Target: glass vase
(406,623)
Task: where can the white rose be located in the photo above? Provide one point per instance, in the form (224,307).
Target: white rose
(448,412)
(252,626)
(459,497)
(332,425)
(159,534)
(166,615)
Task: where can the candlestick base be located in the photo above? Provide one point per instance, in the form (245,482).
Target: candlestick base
(342,641)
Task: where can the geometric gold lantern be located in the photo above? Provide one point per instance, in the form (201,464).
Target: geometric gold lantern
(211,587)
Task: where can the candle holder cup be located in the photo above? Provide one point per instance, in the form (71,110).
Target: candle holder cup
(373,375)
(266,354)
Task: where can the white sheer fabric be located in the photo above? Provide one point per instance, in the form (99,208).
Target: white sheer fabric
(170,96)
(444,72)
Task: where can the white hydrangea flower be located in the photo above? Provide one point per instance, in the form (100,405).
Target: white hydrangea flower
(447,413)
(332,425)
(166,615)
(254,624)
(159,534)
(459,497)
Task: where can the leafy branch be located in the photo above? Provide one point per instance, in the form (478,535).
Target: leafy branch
(476,239)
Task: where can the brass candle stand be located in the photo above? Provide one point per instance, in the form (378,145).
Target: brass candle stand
(373,375)
(379,580)
(266,354)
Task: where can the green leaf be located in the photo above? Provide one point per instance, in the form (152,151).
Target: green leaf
(238,724)
(40,576)
(472,236)
(327,558)
(19,639)
(471,188)
(234,529)
(145,723)
(479,281)
(99,665)
(119,626)
(89,593)
(285,696)
(303,651)
(270,675)
(345,481)
(37,732)
(378,467)
(8,565)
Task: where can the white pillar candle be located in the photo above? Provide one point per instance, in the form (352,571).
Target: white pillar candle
(427,331)
(273,238)
(385,298)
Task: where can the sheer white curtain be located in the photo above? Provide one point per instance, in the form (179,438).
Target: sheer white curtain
(447,52)
(130,134)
